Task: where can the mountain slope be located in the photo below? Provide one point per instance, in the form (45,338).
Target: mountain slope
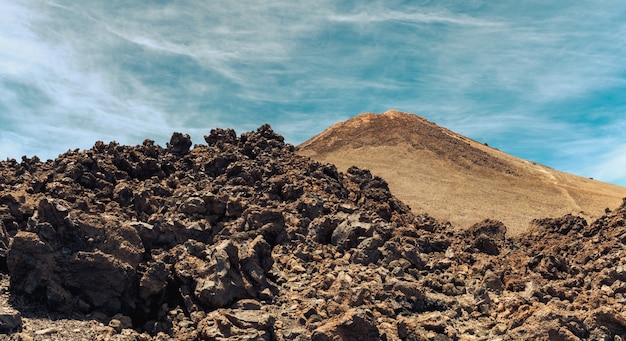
(242,239)
(455,178)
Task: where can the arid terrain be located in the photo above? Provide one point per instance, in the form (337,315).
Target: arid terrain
(241,238)
(454,178)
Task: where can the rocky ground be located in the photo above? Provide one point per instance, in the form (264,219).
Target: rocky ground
(240,238)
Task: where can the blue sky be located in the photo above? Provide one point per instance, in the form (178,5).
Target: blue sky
(542,80)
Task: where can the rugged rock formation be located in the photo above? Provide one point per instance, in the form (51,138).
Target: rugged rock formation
(242,239)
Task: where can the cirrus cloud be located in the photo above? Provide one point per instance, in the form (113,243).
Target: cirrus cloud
(543,81)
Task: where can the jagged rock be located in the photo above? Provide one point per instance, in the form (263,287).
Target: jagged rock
(221,136)
(350,232)
(225,272)
(179,144)
(236,324)
(221,282)
(57,259)
(409,329)
(492,282)
(433,321)
(355,324)
(193,205)
(548,324)
(29,261)
(243,239)
(488,236)
(153,282)
(563,225)
(10,321)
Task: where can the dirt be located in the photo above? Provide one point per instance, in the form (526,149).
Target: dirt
(454,178)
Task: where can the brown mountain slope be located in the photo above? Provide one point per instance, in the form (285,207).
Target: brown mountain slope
(454,178)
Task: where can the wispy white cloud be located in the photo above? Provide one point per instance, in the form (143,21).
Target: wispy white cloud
(368,17)
(50,99)
(520,77)
(610,166)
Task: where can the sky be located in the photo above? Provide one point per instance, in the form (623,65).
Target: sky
(542,80)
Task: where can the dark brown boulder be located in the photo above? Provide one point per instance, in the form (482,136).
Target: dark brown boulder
(10,320)
(219,137)
(31,263)
(488,236)
(179,144)
(562,225)
(237,324)
(223,273)
(353,325)
(65,280)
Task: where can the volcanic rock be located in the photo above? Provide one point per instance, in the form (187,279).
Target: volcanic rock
(179,144)
(119,229)
(236,324)
(243,239)
(353,325)
(10,321)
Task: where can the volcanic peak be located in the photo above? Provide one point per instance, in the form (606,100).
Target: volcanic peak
(406,131)
(453,177)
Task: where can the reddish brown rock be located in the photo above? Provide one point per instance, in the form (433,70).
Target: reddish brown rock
(243,239)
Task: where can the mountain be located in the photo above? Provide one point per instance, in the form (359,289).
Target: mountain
(454,178)
(242,239)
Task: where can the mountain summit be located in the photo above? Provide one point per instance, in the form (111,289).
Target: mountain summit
(455,178)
